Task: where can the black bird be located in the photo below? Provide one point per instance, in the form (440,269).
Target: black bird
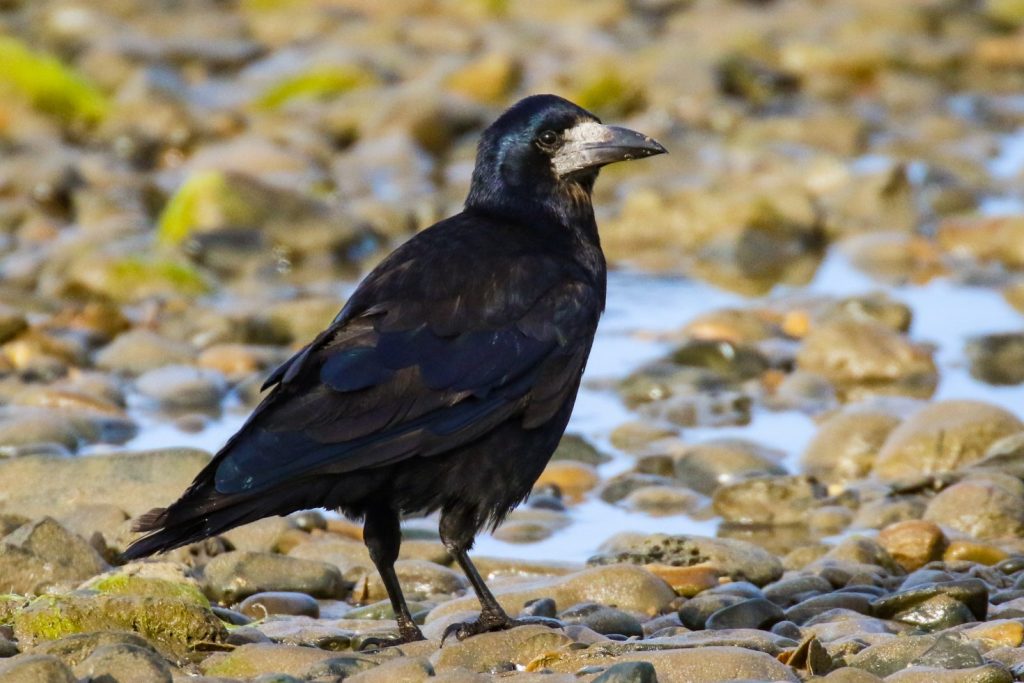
(447,380)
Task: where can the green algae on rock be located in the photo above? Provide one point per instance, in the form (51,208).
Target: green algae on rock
(48,85)
(175,626)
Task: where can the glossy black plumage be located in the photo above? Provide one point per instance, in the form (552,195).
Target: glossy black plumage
(447,380)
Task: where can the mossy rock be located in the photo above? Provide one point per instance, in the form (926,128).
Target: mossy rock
(609,93)
(321,83)
(149,587)
(9,606)
(175,626)
(48,85)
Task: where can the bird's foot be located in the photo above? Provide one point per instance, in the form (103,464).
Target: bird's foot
(404,635)
(487,623)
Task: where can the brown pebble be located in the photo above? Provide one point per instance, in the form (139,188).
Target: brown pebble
(913,543)
(686,581)
(972,551)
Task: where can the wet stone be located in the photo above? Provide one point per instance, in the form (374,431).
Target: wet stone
(35,669)
(261,605)
(972,593)
(738,560)
(913,543)
(812,607)
(125,664)
(789,591)
(602,619)
(981,509)
(997,358)
(755,613)
(707,466)
(767,500)
(695,612)
(237,575)
(182,386)
(628,672)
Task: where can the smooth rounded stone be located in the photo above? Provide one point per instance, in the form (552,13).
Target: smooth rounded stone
(125,664)
(913,543)
(848,674)
(743,589)
(250,661)
(981,509)
(660,501)
(262,605)
(627,587)
(419,579)
(842,626)
(86,519)
(936,614)
(76,648)
(602,619)
(727,359)
(994,633)
(686,581)
(989,673)
(1005,455)
(737,325)
(622,485)
(943,437)
(697,665)
(571,477)
(133,481)
(846,444)
(767,500)
(41,554)
(138,350)
(861,550)
(576,448)
(32,668)
(236,575)
(790,590)
(182,386)
(739,560)
(757,613)
(637,437)
(829,520)
(628,672)
(895,654)
(747,638)
(37,427)
(262,536)
(865,358)
(877,514)
(491,651)
(974,551)
(812,607)
(972,593)
(398,670)
(542,607)
(695,613)
(706,466)
(997,358)
(523,531)
(305,631)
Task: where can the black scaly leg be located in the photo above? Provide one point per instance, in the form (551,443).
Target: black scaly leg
(457,536)
(383,537)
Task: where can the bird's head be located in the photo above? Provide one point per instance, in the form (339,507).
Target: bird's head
(545,151)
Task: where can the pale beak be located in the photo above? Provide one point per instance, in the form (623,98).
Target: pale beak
(592,145)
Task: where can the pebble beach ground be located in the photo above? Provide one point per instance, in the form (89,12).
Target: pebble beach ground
(799,450)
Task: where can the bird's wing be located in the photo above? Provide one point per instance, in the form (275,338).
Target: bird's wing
(403,378)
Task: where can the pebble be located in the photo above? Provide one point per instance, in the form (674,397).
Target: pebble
(182,386)
(234,576)
(262,605)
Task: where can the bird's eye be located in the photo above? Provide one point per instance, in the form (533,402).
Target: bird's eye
(547,138)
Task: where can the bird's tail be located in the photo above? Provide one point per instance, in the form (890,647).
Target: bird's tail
(189,520)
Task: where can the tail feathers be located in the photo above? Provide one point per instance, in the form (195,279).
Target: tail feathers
(181,524)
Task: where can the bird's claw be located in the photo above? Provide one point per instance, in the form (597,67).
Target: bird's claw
(389,640)
(487,624)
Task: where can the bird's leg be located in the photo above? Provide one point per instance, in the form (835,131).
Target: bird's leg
(383,536)
(492,616)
